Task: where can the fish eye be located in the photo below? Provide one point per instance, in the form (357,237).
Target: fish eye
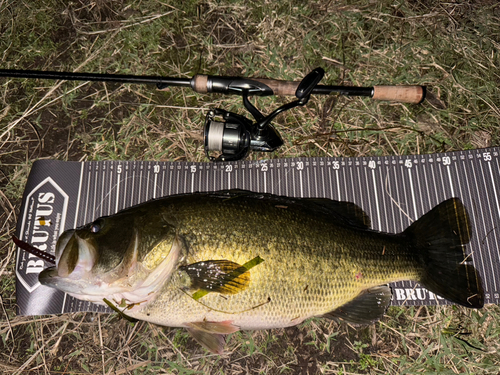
(96,226)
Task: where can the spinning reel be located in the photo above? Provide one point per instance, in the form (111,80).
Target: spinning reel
(230,136)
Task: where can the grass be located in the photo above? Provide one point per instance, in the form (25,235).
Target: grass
(452,47)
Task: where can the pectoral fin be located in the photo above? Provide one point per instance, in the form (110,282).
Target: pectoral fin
(210,335)
(366,308)
(221,276)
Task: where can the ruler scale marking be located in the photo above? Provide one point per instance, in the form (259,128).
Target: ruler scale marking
(102,184)
(492,179)
(87,196)
(301,184)
(133,184)
(111,188)
(380,193)
(474,241)
(323,194)
(490,230)
(402,210)
(415,211)
(377,206)
(95,192)
(486,281)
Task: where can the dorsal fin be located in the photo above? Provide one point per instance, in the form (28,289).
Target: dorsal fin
(344,210)
(348,210)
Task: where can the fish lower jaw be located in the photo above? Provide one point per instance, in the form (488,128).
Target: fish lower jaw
(118,297)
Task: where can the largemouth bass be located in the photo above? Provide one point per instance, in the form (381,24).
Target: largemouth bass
(215,263)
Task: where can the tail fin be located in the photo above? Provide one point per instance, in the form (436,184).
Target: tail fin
(439,238)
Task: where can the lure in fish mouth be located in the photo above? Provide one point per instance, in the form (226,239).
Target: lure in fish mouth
(215,263)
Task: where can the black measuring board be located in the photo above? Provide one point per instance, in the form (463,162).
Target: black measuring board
(393,190)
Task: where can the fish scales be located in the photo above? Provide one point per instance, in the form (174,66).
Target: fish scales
(311,266)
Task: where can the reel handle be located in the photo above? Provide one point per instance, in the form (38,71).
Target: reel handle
(308,83)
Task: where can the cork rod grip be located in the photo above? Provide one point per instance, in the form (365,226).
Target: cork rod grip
(199,83)
(401,94)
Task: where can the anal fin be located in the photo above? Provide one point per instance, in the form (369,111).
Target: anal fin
(224,328)
(213,342)
(366,308)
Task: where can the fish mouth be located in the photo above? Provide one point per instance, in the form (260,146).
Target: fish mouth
(50,277)
(62,241)
(75,258)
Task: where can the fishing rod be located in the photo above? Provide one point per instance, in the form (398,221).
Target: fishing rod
(203,84)
(229,135)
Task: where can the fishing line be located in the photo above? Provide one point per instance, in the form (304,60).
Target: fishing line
(227,312)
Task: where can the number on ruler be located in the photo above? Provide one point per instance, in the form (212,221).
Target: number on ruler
(486,156)
(408,163)
(119,168)
(229,168)
(335,165)
(156,168)
(193,169)
(300,165)
(263,168)
(446,160)
(372,164)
